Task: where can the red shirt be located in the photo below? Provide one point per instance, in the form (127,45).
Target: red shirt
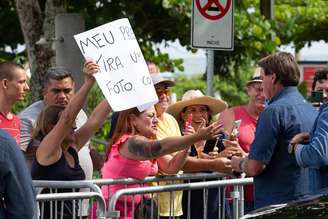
(11,126)
(247,127)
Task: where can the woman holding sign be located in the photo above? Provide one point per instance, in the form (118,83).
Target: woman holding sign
(134,151)
(56,156)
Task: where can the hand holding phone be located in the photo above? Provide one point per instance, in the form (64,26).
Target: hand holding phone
(316,96)
(188,129)
(235,130)
(189,120)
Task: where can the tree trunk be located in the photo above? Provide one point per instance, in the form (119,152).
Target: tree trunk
(39,34)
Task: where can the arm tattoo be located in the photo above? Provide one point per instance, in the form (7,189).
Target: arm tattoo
(144,149)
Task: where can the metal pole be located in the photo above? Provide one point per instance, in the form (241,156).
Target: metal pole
(235,204)
(241,201)
(210,71)
(68,54)
(267,8)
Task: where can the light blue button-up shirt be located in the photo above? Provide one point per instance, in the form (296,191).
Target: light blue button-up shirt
(17,197)
(315,154)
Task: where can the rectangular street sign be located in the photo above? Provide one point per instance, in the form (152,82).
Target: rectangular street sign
(212,24)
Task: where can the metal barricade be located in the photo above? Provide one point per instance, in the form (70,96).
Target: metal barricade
(78,184)
(57,188)
(93,185)
(156,180)
(57,200)
(113,213)
(187,178)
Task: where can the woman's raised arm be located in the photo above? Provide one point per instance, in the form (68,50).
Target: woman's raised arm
(49,150)
(95,121)
(141,148)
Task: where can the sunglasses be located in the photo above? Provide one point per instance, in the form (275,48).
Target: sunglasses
(165,91)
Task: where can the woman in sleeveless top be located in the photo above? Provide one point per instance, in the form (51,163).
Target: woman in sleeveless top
(56,157)
(135,150)
(192,112)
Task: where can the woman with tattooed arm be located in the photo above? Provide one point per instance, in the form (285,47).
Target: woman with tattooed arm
(134,151)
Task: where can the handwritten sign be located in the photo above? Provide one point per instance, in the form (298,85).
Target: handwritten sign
(123,78)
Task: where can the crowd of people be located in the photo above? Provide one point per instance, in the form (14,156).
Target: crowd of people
(281,140)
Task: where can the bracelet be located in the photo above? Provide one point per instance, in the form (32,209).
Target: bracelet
(242,165)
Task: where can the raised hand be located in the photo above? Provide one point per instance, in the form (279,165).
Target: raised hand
(188,130)
(211,131)
(90,68)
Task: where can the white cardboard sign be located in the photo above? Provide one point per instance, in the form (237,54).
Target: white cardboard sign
(124,77)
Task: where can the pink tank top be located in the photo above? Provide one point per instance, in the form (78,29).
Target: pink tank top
(245,139)
(118,166)
(247,127)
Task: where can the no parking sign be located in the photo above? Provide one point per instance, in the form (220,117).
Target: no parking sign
(212,24)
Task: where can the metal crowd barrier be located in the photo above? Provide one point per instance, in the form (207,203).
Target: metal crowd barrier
(237,183)
(58,200)
(93,185)
(155,180)
(54,185)
(55,198)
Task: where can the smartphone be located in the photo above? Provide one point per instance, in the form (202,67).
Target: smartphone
(189,120)
(235,128)
(316,96)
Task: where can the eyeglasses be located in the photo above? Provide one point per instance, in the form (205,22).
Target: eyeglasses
(165,91)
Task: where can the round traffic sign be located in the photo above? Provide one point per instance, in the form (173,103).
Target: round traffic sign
(213,9)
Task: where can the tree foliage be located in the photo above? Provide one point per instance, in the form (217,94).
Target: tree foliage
(10,32)
(301,21)
(155,21)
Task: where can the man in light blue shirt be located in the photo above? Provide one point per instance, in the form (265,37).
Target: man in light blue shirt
(17,197)
(311,150)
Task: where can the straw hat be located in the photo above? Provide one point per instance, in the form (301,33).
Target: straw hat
(196,97)
(256,76)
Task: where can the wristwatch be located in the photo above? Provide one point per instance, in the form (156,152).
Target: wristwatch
(242,165)
(291,148)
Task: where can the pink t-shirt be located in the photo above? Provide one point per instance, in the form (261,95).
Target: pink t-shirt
(11,126)
(117,167)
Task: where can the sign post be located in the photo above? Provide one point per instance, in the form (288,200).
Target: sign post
(212,24)
(210,71)
(212,29)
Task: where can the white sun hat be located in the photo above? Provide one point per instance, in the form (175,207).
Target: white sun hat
(256,76)
(196,97)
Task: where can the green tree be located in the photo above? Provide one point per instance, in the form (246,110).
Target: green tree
(154,21)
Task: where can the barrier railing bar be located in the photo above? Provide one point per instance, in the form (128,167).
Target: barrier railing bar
(175,187)
(193,176)
(74,196)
